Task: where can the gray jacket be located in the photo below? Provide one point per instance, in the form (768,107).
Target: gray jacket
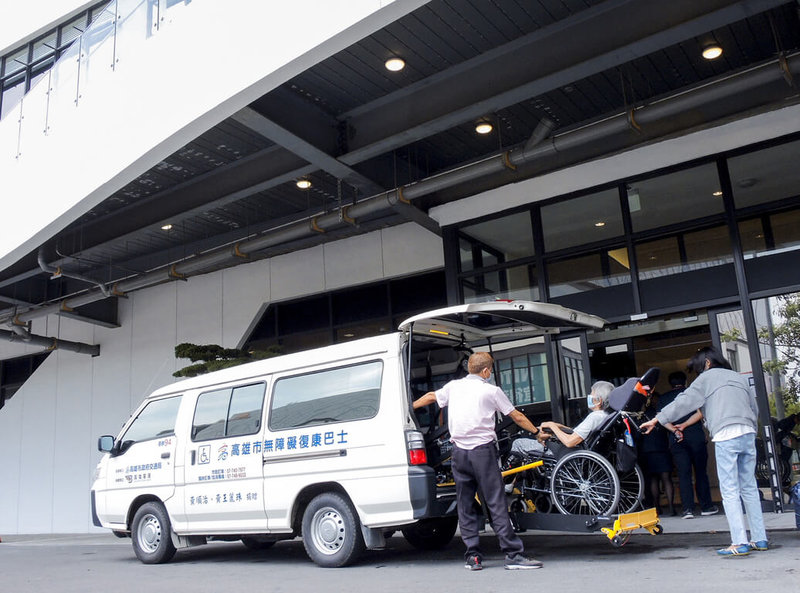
(722,395)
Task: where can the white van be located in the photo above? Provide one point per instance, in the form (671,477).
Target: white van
(322,444)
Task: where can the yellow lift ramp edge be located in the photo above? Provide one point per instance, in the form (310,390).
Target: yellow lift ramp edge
(625,524)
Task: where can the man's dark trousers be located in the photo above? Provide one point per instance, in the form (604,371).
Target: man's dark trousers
(478,468)
(687,454)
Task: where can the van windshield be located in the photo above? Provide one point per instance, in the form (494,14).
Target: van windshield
(156,420)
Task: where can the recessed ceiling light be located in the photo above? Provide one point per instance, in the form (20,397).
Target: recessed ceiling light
(348,335)
(712,52)
(483,127)
(717,193)
(395,64)
(599,224)
(303,183)
(166,227)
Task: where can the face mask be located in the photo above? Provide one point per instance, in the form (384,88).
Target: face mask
(590,401)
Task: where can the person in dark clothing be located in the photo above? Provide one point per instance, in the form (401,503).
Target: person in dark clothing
(687,443)
(657,464)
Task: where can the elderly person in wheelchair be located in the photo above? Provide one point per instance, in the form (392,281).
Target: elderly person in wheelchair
(583,471)
(597,401)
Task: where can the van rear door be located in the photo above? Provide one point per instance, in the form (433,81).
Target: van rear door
(477,324)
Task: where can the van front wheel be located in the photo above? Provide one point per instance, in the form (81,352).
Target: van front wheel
(150,533)
(331,531)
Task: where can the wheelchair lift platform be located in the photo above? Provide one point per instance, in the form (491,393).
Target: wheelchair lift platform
(617,528)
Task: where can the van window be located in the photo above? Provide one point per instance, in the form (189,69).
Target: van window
(228,412)
(156,420)
(333,395)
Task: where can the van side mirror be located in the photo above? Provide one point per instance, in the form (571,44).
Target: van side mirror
(105,443)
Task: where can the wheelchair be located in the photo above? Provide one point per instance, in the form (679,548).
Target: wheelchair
(601,478)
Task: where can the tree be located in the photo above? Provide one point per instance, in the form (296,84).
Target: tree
(215,357)
(783,339)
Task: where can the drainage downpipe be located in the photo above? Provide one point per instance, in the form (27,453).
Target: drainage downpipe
(50,343)
(668,107)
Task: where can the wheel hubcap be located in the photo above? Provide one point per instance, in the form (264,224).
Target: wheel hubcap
(328,530)
(149,534)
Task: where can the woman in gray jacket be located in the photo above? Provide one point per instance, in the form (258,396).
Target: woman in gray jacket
(731,415)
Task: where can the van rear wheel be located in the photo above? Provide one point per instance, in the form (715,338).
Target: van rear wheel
(331,531)
(150,533)
(431,534)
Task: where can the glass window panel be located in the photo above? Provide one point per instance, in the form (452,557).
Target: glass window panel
(676,197)
(13,90)
(522,380)
(599,219)
(244,416)
(465,254)
(786,229)
(516,283)
(765,175)
(588,272)
(210,415)
(751,233)
(658,258)
(44,46)
(540,384)
(157,419)
(709,247)
(499,240)
(770,255)
(16,61)
(72,30)
(335,395)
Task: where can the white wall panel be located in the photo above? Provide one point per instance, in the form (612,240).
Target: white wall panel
(409,248)
(356,260)
(296,274)
(153,339)
(245,290)
(199,310)
(11,443)
(37,451)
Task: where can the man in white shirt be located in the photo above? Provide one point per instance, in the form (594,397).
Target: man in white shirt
(472,403)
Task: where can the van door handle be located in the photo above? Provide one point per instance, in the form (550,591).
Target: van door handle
(192,455)
(165,455)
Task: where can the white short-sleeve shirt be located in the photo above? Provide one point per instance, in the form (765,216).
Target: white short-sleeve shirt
(472,404)
(591,423)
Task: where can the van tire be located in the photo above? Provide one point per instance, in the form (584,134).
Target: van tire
(151,534)
(331,531)
(431,534)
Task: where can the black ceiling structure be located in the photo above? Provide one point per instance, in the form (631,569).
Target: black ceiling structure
(358,131)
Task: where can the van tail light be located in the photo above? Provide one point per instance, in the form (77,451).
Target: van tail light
(416,448)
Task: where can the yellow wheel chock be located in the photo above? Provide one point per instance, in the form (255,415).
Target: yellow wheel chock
(625,524)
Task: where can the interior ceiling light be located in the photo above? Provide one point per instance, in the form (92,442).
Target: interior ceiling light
(483,127)
(303,183)
(599,224)
(712,52)
(395,64)
(717,194)
(166,227)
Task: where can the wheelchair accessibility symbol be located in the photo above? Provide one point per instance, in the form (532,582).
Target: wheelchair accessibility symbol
(204,455)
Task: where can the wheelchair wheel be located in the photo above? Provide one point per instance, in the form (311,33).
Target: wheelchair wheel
(631,490)
(584,483)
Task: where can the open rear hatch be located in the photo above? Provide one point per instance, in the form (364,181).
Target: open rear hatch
(479,324)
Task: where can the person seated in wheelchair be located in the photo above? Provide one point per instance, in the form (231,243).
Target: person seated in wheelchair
(555,438)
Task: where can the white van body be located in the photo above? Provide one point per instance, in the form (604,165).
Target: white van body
(322,443)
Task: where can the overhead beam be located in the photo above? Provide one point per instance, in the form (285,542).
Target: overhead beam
(267,128)
(610,34)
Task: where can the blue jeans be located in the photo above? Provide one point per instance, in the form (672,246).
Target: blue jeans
(736,468)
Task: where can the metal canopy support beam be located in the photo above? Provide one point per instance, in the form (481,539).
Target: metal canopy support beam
(253,120)
(611,34)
